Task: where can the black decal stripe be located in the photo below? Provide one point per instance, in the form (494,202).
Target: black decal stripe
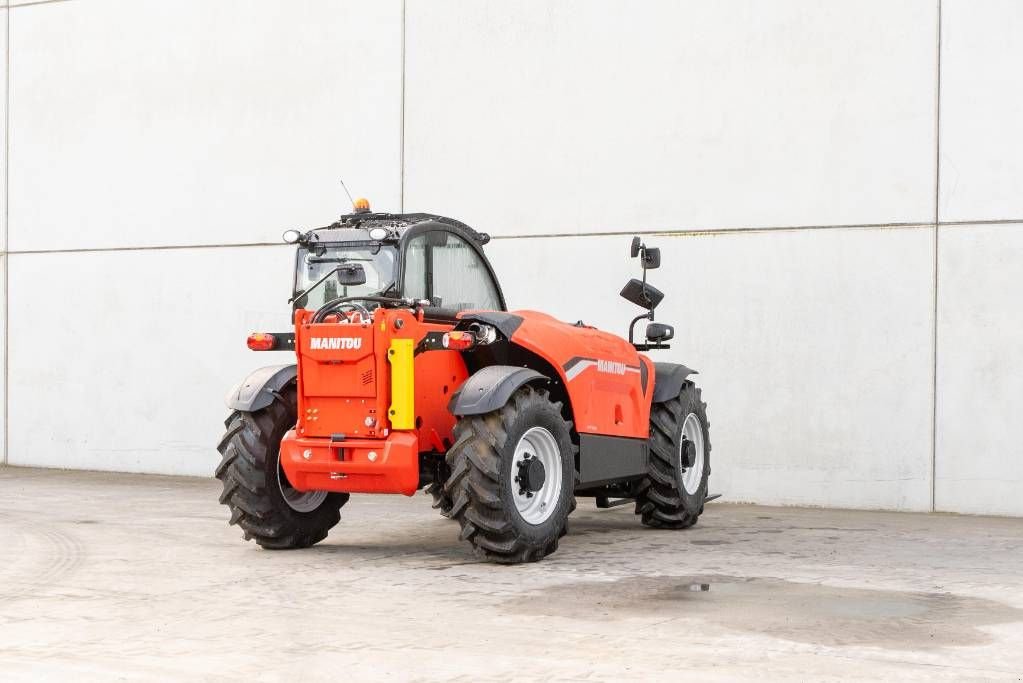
(575,360)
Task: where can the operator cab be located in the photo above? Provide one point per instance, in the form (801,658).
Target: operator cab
(346,270)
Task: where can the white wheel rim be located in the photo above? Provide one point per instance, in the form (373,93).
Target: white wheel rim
(692,477)
(298,501)
(537,443)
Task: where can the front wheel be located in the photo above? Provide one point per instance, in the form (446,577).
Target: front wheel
(512,478)
(675,489)
(261,499)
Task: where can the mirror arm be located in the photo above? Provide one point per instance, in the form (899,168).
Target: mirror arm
(649,315)
(646,296)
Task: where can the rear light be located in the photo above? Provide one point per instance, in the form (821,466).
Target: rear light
(260,341)
(458,341)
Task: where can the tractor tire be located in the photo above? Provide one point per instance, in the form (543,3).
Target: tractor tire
(440,499)
(513,478)
(672,495)
(262,502)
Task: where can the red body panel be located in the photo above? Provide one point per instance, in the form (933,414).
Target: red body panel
(344,378)
(317,464)
(344,381)
(608,381)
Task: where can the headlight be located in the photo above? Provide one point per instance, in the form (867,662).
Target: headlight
(485,334)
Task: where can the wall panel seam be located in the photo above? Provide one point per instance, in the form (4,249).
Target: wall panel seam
(696,232)
(33,3)
(937,233)
(401,130)
(7,227)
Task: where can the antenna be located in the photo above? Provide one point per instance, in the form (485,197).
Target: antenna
(345,188)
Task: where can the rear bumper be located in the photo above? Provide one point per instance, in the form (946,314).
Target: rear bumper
(388,465)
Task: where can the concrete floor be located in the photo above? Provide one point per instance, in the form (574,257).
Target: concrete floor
(108,575)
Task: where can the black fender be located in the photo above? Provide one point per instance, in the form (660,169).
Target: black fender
(489,388)
(668,380)
(256,391)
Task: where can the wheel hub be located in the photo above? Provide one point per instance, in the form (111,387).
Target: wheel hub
(531,475)
(688,453)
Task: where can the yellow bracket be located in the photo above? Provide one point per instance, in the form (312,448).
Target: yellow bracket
(401,356)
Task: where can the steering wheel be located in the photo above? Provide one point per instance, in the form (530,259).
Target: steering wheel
(364,314)
(349,302)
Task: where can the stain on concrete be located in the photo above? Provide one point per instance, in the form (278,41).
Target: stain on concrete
(802,612)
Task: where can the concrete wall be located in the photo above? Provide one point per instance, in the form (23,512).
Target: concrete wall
(856,329)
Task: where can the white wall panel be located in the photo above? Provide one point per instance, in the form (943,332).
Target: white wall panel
(4,17)
(813,349)
(980,370)
(121,360)
(3,345)
(147,122)
(4,14)
(981,110)
(536,117)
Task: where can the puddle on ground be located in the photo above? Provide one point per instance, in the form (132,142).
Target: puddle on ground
(803,612)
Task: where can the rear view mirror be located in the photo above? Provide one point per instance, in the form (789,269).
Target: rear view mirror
(351,274)
(644,295)
(634,249)
(651,258)
(659,332)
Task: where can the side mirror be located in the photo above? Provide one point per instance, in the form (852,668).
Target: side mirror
(642,294)
(651,258)
(351,274)
(634,249)
(659,332)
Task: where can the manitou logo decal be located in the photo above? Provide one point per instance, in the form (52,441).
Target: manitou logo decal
(577,365)
(611,367)
(334,343)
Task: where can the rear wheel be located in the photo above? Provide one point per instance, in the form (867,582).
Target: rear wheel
(441,501)
(262,501)
(512,478)
(674,491)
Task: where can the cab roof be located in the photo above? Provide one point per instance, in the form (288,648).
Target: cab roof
(356,227)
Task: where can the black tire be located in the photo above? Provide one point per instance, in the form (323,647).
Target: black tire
(441,501)
(249,472)
(662,499)
(480,484)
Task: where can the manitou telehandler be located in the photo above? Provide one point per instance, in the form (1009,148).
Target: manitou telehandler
(412,374)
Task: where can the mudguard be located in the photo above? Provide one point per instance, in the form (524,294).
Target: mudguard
(489,388)
(668,380)
(256,391)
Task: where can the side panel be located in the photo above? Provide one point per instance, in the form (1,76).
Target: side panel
(604,459)
(607,380)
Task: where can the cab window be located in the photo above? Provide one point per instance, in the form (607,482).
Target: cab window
(444,268)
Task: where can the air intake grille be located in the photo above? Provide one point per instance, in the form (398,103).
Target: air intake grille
(367,377)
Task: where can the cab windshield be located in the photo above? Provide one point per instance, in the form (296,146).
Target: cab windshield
(377,260)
